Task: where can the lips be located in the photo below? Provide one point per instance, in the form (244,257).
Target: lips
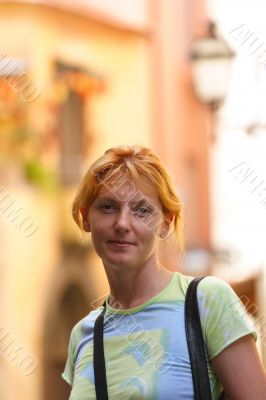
(121,242)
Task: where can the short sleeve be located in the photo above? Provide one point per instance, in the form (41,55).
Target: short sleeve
(68,374)
(224,318)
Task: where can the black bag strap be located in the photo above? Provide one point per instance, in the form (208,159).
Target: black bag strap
(195,342)
(98,358)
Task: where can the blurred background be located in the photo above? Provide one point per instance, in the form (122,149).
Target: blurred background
(184,77)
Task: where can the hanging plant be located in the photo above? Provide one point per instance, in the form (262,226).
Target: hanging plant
(20,145)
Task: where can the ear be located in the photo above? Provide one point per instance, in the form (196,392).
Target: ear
(85,220)
(166,229)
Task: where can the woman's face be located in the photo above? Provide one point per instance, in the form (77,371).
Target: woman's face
(125,221)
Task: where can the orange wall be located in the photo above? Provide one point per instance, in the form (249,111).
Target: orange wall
(180,122)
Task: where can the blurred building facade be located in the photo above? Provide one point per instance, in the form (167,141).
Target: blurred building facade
(76,79)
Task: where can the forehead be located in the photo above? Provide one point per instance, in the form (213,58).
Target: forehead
(125,188)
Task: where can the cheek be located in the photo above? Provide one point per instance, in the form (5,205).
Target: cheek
(96,238)
(98,232)
(99,224)
(149,243)
(151,228)
(146,234)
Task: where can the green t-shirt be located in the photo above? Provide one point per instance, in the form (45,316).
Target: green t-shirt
(145,347)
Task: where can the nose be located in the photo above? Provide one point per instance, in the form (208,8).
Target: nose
(122,222)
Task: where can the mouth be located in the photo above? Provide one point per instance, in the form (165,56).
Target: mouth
(121,243)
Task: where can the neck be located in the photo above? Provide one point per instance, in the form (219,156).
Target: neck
(131,288)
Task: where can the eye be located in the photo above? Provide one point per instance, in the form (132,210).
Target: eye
(142,211)
(107,207)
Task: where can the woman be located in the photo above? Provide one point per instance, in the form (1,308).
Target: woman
(128,203)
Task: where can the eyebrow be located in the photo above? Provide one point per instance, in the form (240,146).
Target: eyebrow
(139,202)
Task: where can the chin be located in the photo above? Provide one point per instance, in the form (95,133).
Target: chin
(118,261)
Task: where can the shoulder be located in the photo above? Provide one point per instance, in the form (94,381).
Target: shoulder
(223,317)
(209,285)
(88,320)
(213,281)
(216,298)
(210,288)
(213,286)
(215,293)
(84,327)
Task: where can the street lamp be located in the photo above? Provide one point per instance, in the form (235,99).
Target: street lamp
(210,65)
